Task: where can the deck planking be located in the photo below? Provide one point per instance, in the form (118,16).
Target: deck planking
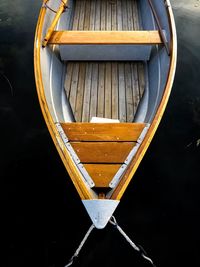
(105,89)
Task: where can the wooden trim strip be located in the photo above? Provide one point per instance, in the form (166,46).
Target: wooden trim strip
(105,37)
(74,173)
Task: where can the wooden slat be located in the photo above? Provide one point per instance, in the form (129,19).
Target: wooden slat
(80,93)
(129,94)
(76,16)
(122,95)
(124,15)
(141,78)
(94,88)
(74,85)
(105,37)
(102,152)
(97,15)
(102,174)
(135,85)
(115,93)
(82,15)
(130,15)
(69,71)
(135,15)
(87,92)
(114,16)
(119,15)
(114,83)
(101,90)
(108,91)
(92,15)
(87,15)
(103,131)
(103,15)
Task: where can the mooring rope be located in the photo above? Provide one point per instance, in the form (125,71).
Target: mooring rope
(136,247)
(113,221)
(80,246)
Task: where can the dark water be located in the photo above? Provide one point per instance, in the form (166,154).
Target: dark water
(42,218)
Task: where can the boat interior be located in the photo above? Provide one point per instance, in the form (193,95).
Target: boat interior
(109,64)
(108,89)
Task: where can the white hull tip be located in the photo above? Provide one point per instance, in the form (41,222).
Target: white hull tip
(100,211)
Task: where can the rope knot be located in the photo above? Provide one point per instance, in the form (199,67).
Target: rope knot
(113,221)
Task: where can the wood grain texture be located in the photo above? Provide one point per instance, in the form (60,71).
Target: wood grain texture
(105,89)
(102,174)
(107,132)
(102,152)
(105,37)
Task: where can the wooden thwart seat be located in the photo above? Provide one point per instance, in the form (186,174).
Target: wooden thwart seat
(102,147)
(105,37)
(113,132)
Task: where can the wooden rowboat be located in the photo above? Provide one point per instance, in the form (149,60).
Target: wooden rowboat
(104,72)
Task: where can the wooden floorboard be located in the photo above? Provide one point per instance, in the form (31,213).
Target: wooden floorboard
(105,89)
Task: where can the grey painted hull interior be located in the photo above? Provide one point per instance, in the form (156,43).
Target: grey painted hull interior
(126,69)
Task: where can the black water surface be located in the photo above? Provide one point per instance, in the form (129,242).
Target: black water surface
(42,218)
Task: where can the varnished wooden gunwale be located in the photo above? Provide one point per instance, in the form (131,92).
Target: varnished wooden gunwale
(127,177)
(74,173)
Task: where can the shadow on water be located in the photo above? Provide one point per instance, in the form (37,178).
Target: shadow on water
(42,217)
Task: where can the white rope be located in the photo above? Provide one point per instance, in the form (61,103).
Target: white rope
(81,245)
(113,221)
(137,248)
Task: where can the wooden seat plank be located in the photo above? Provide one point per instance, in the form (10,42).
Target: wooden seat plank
(102,152)
(105,37)
(108,132)
(102,174)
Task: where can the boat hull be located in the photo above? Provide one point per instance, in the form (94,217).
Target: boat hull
(78,155)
